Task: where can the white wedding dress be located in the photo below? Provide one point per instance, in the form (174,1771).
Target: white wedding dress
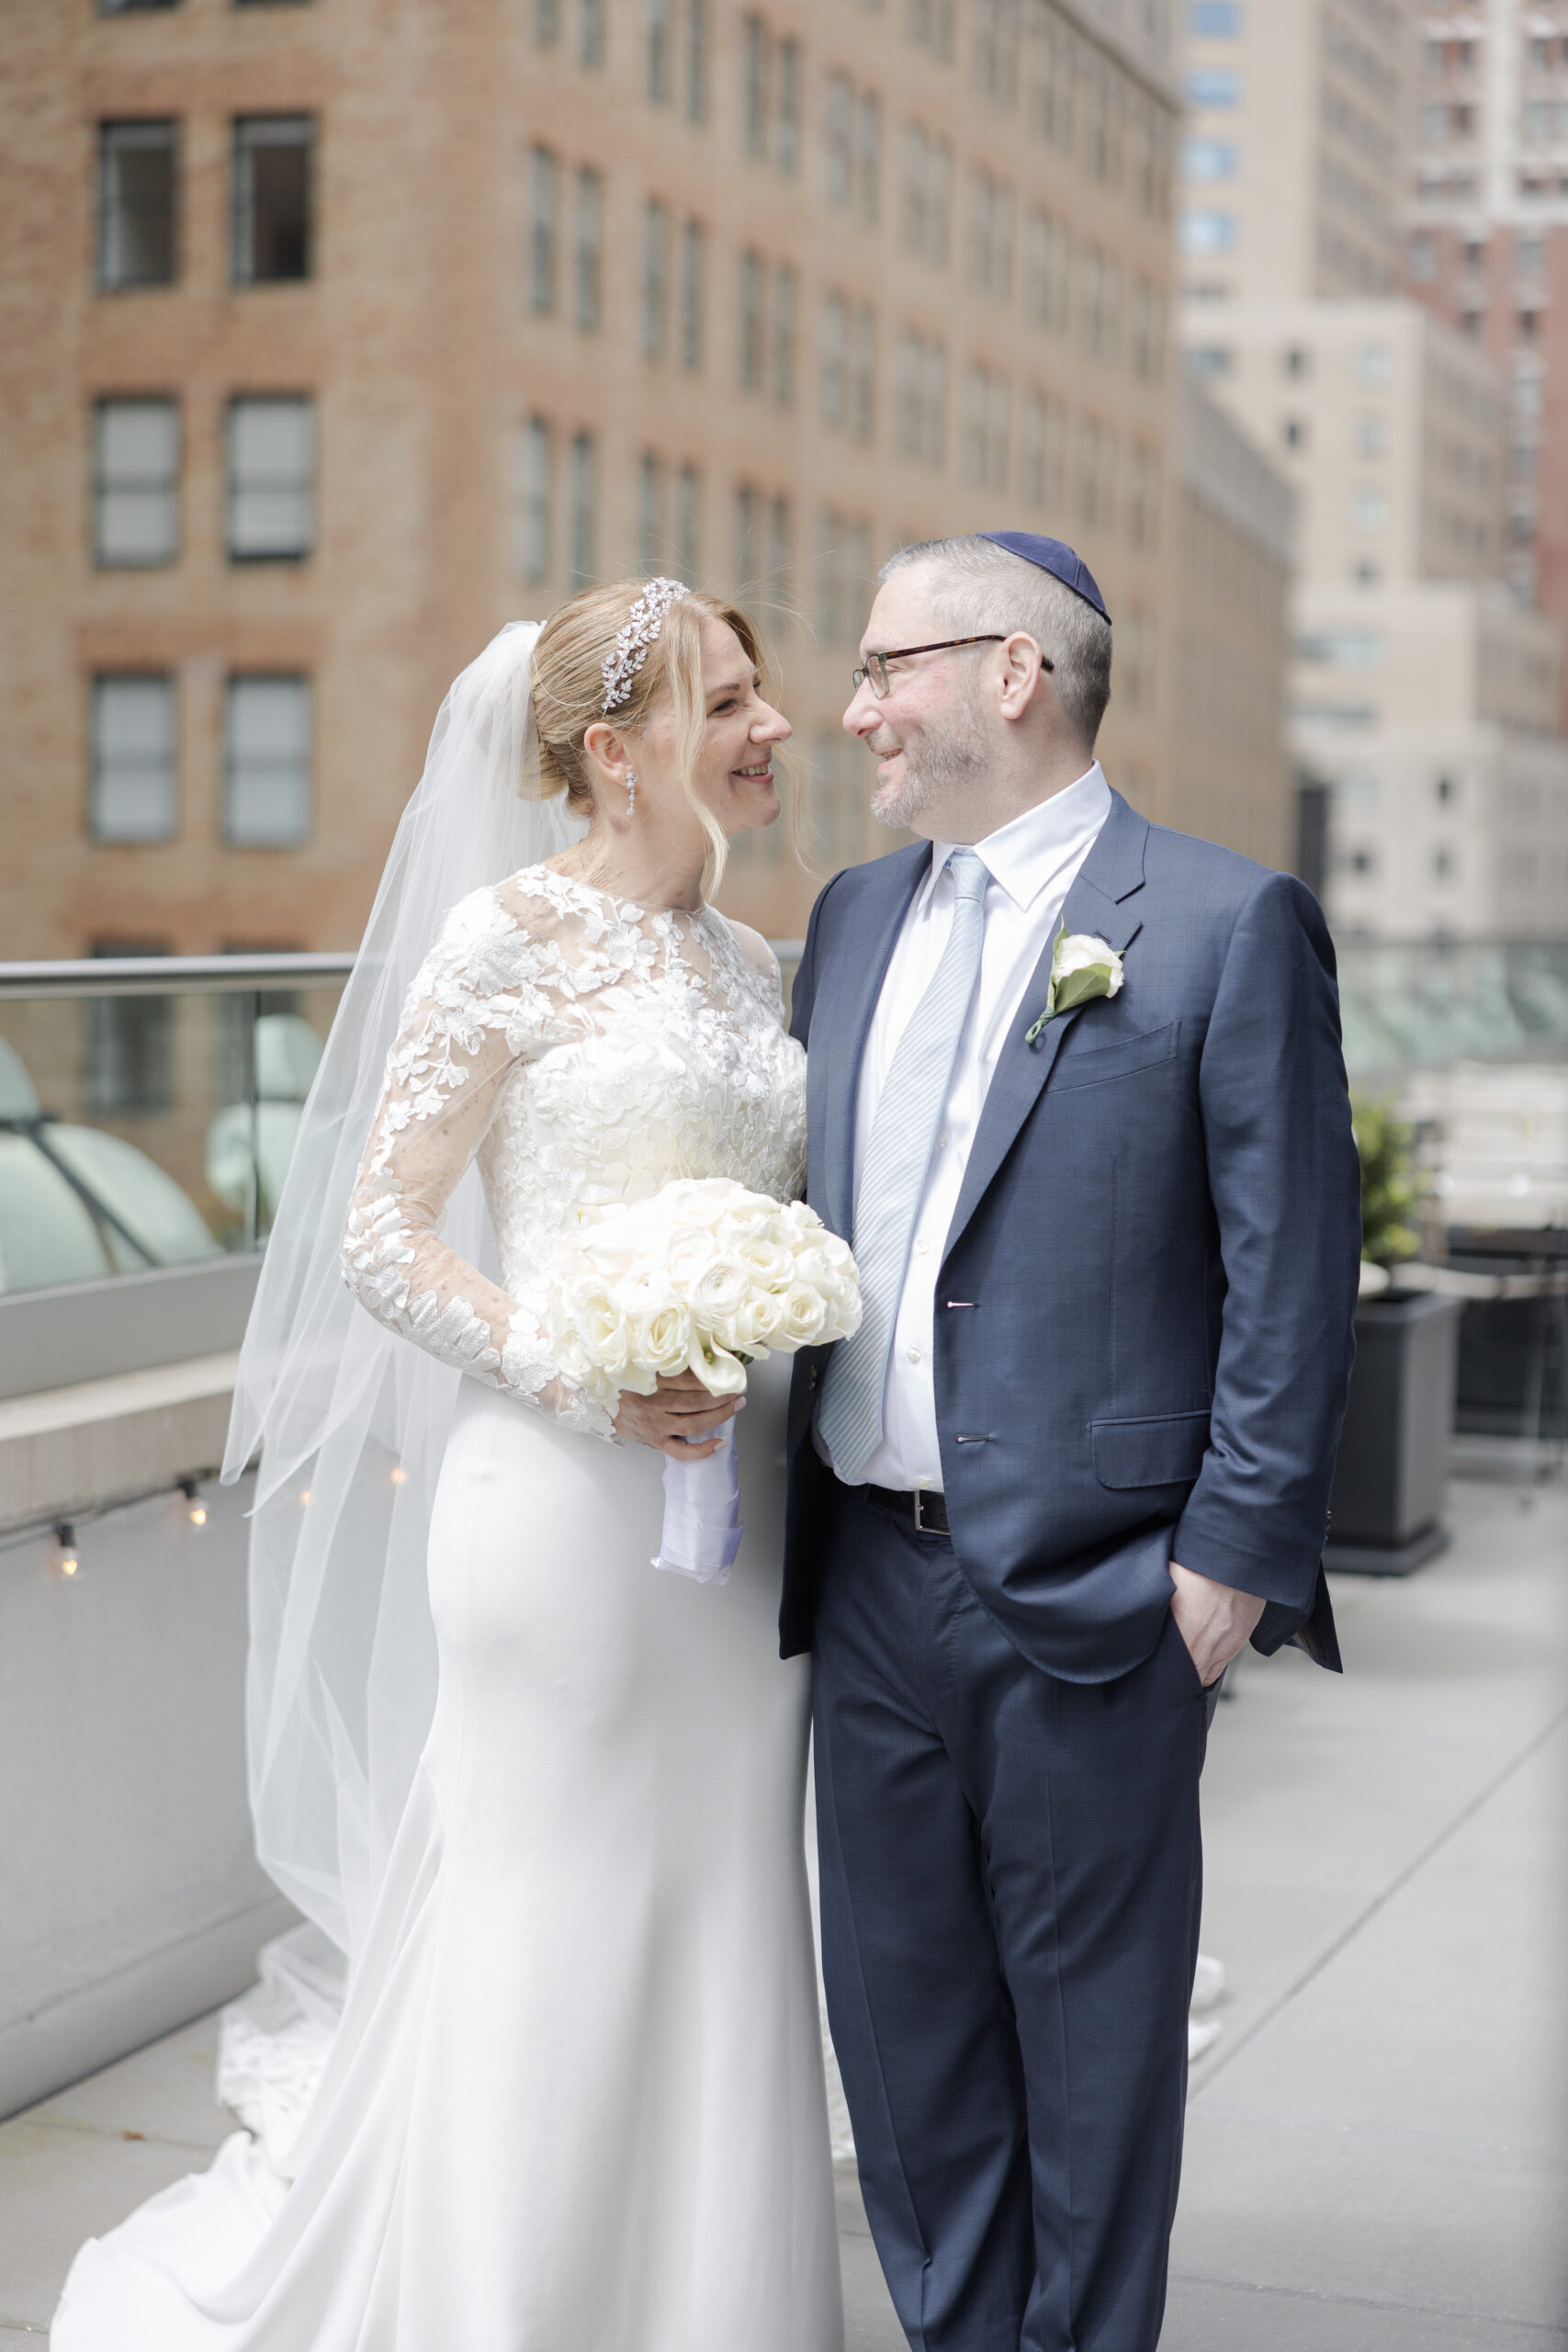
(575,2103)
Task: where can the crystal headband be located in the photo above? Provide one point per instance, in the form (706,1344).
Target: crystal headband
(647,618)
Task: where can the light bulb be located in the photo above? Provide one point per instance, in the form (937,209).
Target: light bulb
(69,1560)
(400,1475)
(197,1514)
(304,1495)
(196,1508)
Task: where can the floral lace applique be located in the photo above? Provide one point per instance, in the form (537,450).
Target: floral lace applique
(581,1049)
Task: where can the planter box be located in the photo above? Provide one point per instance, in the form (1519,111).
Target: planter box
(1391,1482)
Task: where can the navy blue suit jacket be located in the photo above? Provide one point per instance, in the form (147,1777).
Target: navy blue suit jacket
(1143,1321)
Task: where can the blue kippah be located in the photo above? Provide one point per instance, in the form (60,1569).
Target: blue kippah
(1054,556)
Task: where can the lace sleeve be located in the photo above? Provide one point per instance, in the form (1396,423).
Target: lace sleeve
(476,1009)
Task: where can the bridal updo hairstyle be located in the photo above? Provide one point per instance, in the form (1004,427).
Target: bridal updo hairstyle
(568,690)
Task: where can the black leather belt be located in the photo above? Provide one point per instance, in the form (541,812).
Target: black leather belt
(924,1507)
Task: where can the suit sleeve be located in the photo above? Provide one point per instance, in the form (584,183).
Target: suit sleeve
(1285,1183)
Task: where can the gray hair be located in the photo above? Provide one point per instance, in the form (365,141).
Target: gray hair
(984,587)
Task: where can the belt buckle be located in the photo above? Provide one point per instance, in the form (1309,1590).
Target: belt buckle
(920,1527)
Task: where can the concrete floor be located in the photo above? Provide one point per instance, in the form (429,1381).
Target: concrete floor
(1377,2150)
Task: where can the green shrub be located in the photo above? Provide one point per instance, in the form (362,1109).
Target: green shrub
(1390,1184)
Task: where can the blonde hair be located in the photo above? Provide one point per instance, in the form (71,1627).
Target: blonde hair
(568,690)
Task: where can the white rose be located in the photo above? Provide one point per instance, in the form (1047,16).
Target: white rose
(725,1286)
(662,1341)
(804,1315)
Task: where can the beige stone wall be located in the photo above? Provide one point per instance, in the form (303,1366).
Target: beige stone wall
(1297,139)
(1387,423)
(416,337)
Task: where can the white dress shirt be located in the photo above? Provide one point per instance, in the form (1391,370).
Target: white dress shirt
(1033,864)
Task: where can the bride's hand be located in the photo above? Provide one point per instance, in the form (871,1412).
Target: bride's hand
(681,1409)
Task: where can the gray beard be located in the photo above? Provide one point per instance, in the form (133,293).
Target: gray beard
(949,755)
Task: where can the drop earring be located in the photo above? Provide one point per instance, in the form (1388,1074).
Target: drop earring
(631,792)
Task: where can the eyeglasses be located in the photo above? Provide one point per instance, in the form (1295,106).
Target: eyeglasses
(874,670)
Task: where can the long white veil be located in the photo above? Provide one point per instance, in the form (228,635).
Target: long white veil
(351,1421)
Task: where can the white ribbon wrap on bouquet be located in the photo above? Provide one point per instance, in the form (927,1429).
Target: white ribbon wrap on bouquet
(702,1514)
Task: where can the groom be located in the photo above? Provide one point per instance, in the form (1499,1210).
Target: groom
(1105,1203)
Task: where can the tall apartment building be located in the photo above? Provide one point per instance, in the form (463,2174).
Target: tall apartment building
(333,335)
(1488,247)
(1293,160)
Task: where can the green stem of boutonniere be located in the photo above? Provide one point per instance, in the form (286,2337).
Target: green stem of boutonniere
(1029,1036)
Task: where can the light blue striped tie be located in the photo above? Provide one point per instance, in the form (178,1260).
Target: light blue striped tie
(898,1155)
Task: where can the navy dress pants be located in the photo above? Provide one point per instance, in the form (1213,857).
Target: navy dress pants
(1010,1880)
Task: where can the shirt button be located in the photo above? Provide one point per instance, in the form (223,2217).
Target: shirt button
(913,1354)
(942,1140)
(920,1248)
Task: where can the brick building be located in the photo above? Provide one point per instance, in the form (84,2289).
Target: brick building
(333,335)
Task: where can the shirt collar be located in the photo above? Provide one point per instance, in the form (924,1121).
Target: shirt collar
(1028,854)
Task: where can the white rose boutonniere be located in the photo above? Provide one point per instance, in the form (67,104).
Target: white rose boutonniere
(1082,967)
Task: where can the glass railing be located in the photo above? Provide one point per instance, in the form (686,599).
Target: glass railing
(149,1106)
(1418,1005)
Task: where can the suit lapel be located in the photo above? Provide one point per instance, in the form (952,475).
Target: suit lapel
(1103,902)
(847,989)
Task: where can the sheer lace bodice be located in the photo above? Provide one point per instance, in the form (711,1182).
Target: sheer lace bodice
(585,1050)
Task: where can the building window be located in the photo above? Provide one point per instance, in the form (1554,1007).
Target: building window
(659,45)
(1042,454)
(584,536)
(534,501)
(546,23)
(840,137)
(129,7)
(929,25)
(542,177)
(783,338)
(991,235)
(649,515)
(688,523)
(753,325)
(747,506)
(1371,435)
(1208,159)
(266,763)
(693,278)
(1297,363)
(138,210)
(1208,232)
(272,478)
(1048,80)
(1142,502)
(780,532)
(984,456)
(995,50)
(696,60)
(755,103)
(130,1045)
(591,34)
(136,481)
(1214,85)
(787,146)
(920,400)
(272,197)
(1423,260)
(1374,366)
(655,278)
(1295,433)
(1214,20)
(1369,511)
(835,360)
(134,795)
(926,193)
(868,158)
(589,246)
(863,372)
(1047,271)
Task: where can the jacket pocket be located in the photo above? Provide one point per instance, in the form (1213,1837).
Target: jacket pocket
(1166,1450)
(1080,1067)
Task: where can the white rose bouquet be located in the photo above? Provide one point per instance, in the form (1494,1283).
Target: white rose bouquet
(703,1277)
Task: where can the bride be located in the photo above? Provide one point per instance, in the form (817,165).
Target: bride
(547,1799)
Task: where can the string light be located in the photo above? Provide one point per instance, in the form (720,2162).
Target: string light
(400,1475)
(196,1510)
(304,1496)
(69,1560)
